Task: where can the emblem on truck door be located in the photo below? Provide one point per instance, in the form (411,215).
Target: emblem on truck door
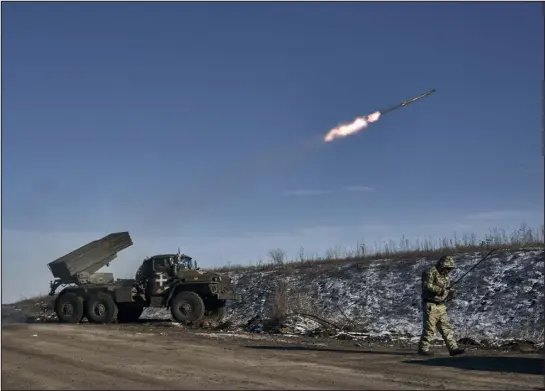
(161,279)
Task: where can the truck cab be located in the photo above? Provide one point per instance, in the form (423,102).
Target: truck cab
(165,278)
(161,268)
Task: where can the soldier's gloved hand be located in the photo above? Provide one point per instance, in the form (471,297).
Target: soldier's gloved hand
(451,294)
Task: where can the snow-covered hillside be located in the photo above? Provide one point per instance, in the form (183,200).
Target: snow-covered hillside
(502,298)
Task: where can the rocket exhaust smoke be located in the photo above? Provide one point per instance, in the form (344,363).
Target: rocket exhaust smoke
(361,123)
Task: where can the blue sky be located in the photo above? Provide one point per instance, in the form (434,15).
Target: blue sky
(198,125)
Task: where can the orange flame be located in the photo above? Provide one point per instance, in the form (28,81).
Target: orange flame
(351,128)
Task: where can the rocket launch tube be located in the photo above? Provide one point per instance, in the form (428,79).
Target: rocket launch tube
(405,103)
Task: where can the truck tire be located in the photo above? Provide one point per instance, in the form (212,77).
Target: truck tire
(100,308)
(187,308)
(129,313)
(69,307)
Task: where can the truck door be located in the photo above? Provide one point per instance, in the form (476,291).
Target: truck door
(160,276)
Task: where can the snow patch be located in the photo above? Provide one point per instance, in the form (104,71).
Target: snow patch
(501,301)
(502,298)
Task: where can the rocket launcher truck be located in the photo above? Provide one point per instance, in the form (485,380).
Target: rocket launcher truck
(172,281)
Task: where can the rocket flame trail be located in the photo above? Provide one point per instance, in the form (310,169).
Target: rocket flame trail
(355,126)
(362,122)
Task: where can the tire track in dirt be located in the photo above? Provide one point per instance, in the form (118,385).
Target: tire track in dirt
(248,362)
(98,371)
(195,361)
(116,357)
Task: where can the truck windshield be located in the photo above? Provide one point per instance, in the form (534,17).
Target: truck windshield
(184,262)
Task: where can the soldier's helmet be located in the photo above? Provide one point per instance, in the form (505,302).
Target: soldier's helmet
(446,262)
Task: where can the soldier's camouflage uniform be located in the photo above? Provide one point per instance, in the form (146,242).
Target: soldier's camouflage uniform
(435,292)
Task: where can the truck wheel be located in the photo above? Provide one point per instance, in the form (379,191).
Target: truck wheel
(69,308)
(129,313)
(100,308)
(187,308)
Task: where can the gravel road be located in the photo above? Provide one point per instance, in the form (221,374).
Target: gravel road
(162,356)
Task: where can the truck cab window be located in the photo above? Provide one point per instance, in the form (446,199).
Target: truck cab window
(145,270)
(160,265)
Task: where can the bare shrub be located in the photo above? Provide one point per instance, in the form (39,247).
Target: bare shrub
(278,256)
(279,303)
(361,250)
(301,254)
(303,303)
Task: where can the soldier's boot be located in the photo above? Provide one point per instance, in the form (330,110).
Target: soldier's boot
(457,351)
(425,353)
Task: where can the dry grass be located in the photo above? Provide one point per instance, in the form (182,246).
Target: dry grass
(279,305)
(524,237)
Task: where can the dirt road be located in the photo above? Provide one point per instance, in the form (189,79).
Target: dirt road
(55,356)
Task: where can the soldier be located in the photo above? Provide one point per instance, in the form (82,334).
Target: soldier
(435,293)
